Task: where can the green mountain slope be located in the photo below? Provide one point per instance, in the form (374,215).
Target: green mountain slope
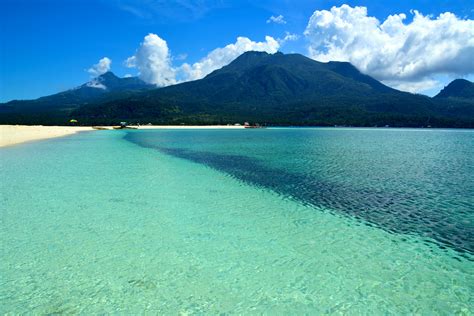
(273,89)
(456,99)
(279,89)
(459,88)
(58,106)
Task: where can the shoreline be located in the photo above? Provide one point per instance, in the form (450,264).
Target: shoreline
(189,126)
(98,127)
(11,135)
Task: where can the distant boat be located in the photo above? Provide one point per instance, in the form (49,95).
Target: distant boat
(256,125)
(123,125)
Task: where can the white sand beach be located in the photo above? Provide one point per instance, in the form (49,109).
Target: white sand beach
(16,134)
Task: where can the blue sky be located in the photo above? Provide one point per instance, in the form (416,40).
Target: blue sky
(47,46)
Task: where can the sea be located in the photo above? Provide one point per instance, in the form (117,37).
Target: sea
(239,221)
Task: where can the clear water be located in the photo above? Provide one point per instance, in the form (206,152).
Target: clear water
(289,221)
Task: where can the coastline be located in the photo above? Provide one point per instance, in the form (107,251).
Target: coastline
(189,126)
(17,134)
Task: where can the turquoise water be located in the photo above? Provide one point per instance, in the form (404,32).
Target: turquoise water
(288,221)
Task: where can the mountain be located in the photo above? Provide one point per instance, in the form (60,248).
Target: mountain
(105,87)
(279,89)
(273,89)
(459,88)
(456,99)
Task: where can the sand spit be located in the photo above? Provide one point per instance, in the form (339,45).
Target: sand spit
(17,134)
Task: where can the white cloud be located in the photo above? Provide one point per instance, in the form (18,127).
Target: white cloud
(220,57)
(181,57)
(276,19)
(94,83)
(165,11)
(153,61)
(408,55)
(101,67)
(128,76)
(414,86)
(289,37)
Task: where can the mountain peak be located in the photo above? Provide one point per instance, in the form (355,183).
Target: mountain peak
(254,52)
(458,88)
(108,75)
(251,57)
(257,54)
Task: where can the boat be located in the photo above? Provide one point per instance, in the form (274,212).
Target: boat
(123,125)
(256,125)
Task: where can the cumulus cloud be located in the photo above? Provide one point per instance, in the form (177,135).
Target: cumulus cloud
(220,57)
(289,37)
(101,67)
(153,61)
(276,19)
(414,86)
(95,83)
(392,50)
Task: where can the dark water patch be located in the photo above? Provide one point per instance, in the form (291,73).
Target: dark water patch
(395,211)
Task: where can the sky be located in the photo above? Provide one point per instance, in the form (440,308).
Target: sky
(48,46)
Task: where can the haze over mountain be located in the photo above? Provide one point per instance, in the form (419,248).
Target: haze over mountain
(257,87)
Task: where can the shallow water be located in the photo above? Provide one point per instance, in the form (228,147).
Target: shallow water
(238,221)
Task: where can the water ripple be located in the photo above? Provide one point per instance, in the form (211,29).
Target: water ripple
(394,210)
